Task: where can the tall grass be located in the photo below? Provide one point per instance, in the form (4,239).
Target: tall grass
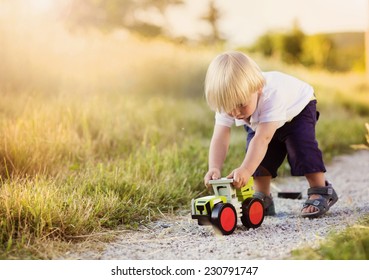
(74,172)
(105,130)
(50,136)
(101,196)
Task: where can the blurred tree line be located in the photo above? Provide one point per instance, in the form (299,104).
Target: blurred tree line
(136,15)
(335,52)
(144,17)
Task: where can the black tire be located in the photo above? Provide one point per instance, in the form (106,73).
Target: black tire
(224,218)
(253,212)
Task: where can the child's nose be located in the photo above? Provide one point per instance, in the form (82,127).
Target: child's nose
(236,113)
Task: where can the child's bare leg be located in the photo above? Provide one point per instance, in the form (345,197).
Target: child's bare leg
(315,180)
(262,184)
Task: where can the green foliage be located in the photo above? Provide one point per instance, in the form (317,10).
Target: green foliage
(287,46)
(330,129)
(265,44)
(335,52)
(363,146)
(291,45)
(316,51)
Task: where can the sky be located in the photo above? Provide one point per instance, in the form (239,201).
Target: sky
(244,20)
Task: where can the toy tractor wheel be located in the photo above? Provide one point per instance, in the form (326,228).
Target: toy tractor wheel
(224,217)
(252,212)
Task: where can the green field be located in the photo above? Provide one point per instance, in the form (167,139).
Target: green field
(108,130)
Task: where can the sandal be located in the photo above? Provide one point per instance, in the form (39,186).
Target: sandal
(328,197)
(268,203)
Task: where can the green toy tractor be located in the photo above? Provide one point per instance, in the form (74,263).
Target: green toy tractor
(227,205)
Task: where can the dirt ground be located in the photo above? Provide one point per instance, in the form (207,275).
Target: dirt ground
(179,237)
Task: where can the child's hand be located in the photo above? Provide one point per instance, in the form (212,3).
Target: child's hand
(240,177)
(212,174)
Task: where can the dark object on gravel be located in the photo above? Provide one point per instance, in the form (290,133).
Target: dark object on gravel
(291,195)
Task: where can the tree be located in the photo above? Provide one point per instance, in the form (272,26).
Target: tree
(291,48)
(265,44)
(317,50)
(110,14)
(212,16)
(287,46)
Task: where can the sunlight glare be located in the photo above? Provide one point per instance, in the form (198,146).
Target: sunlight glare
(40,6)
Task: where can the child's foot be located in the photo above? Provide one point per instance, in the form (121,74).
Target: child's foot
(320,199)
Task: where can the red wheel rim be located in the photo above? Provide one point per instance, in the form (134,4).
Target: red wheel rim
(227,219)
(256,212)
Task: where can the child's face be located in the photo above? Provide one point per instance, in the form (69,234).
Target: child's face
(244,111)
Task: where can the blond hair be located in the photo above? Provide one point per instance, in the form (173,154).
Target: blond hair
(230,80)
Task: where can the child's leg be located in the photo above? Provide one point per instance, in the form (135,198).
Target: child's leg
(262,184)
(316,179)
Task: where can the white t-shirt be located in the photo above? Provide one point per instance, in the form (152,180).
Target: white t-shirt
(283,97)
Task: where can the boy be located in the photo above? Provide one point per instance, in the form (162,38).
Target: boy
(279,114)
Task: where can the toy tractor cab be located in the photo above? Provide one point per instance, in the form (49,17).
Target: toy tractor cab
(227,205)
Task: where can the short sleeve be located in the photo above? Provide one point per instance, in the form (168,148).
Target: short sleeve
(223,119)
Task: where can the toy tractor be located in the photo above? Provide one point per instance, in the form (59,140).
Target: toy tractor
(227,205)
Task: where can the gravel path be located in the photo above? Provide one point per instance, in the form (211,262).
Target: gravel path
(181,238)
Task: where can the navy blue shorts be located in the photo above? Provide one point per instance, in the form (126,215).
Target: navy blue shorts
(297,140)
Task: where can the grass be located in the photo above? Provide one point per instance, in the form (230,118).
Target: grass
(350,244)
(69,176)
(100,131)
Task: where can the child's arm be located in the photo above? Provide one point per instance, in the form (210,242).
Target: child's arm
(255,153)
(217,152)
